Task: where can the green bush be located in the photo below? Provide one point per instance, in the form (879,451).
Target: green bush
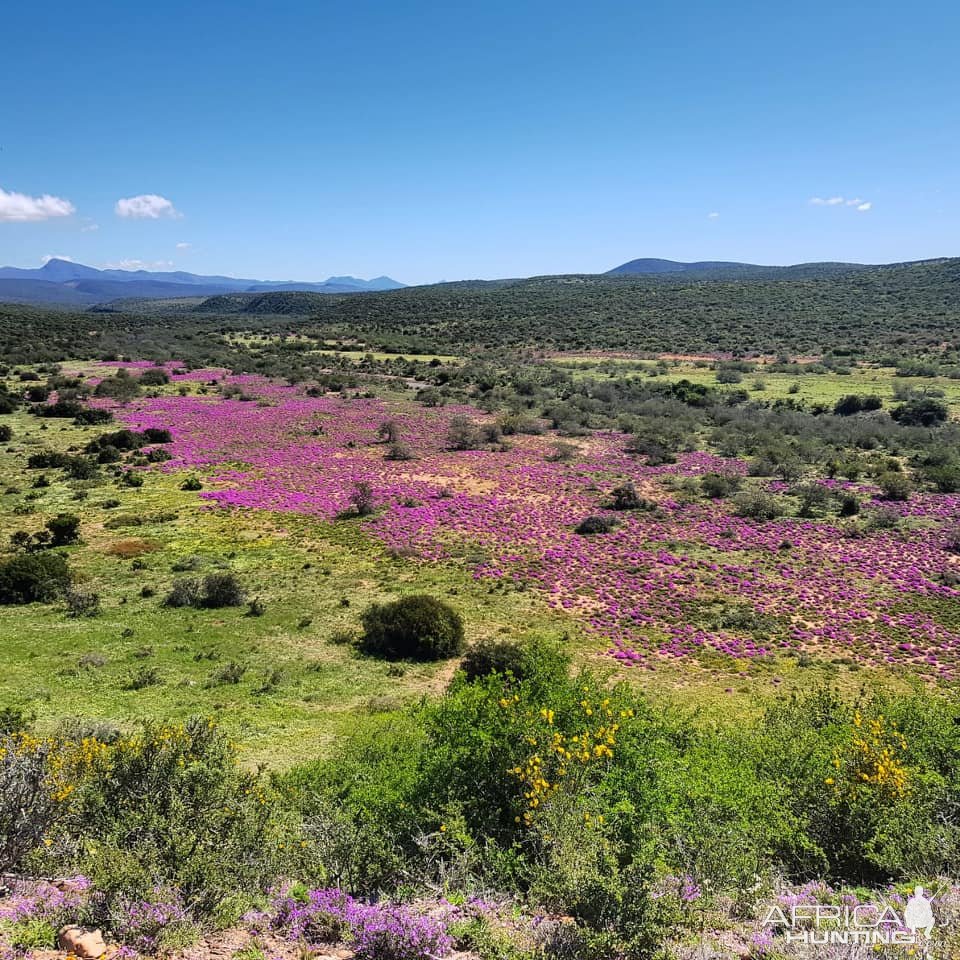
(717,486)
(222,590)
(758,505)
(154,377)
(590,526)
(494,656)
(64,529)
(418,627)
(173,806)
(920,412)
(852,403)
(34,577)
(521,661)
(894,486)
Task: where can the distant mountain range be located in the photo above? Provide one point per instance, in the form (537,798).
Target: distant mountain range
(68,284)
(73,284)
(732,270)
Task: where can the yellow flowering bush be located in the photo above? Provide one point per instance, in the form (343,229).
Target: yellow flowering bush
(564,759)
(168,803)
(870,761)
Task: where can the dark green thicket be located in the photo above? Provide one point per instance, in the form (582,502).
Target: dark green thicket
(33,577)
(418,627)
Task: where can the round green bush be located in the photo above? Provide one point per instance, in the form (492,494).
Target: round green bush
(495,656)
(418,627)
(33,577)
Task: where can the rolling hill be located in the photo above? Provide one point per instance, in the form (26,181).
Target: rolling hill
(732,270)
(869,310)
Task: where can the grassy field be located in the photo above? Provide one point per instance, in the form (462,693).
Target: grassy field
(812,388)
(285,681)
(298,686)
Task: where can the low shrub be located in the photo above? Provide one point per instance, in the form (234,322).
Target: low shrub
(34,577)
(625,497)
(222,590)
(418,627)
(590,526)
(82,603)
(28,809)
(215,591)
(362,498)
(894,486)
(185,592)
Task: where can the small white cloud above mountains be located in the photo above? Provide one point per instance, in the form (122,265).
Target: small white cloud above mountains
(146,206)
(21,208)
(133,264)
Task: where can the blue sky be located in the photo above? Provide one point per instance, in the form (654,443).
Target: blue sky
(445,141)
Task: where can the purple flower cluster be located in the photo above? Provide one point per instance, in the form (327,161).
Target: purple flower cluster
(642,586)
(375,931)
(55,904)
(139,924)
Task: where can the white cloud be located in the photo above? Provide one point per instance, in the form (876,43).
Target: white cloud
(147,206)
(19,208)
(56,256)
(90,227)
(861,205)
(183,245)
(713,215)
(132,264)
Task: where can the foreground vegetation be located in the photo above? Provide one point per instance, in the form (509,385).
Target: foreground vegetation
(543,784)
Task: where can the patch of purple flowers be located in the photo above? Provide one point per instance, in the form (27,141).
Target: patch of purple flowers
(140,924)
(376,931)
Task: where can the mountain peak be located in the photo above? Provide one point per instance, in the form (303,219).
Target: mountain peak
(66,282)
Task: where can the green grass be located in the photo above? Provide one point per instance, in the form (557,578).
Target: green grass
(298,690)
(302,569)
(811,388)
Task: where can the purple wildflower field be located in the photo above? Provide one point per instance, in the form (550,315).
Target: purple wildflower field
(644,587)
